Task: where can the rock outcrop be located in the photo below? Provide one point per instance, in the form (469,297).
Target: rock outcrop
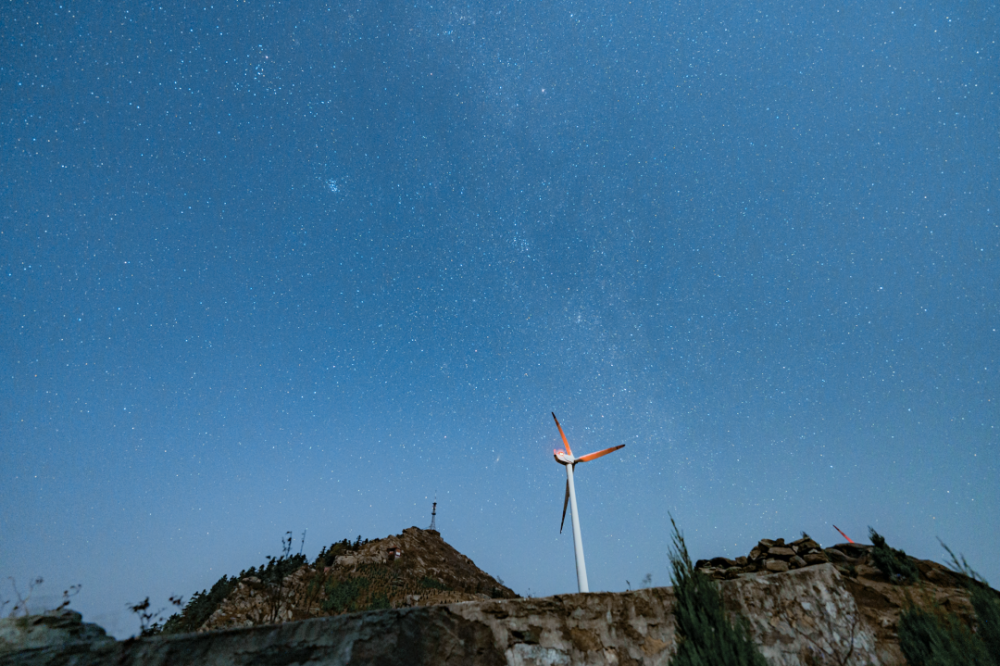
(879,601)
(798,618)
(62,628)
(804,605)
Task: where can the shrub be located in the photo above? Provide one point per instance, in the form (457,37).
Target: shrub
(940,639)
(433,584)
(200,607)
(892,562)
(705,635)
(985,602)
(343,596)
(929,640)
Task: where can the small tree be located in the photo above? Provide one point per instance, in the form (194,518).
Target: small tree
(705,635)
(893,562)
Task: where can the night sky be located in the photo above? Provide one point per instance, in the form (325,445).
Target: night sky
(304,266)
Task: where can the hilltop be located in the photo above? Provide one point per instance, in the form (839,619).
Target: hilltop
(415,568)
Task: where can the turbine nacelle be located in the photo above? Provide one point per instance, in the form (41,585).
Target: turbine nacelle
(564,458)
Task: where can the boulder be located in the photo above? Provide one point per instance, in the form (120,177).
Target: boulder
(62,627)
(781,553)
(777,566)
(804,545)
(816,558)
(836,556)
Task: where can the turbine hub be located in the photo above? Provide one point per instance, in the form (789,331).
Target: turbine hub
(563,458)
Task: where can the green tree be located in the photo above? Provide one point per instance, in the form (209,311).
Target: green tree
(705,635)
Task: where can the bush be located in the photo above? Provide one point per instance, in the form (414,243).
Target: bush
(705,635)
(941,639)
(986,604)
(892,562)
(433,584)
(342,596)
(929,640)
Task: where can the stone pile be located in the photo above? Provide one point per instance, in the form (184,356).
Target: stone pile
(775,556)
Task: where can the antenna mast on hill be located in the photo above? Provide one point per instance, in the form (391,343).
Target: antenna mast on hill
(434,511)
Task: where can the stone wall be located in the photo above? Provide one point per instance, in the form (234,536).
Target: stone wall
(801,617)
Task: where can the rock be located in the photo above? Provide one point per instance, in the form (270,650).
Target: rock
(722,562)
(868,571)
(846,570)
(779,542)
(835,555)
(804,545)
(854,550)
(55,628)
(816,558)
(765,544)
(796,562)
(781,553)
(741,561)
(776,566)
(757,553)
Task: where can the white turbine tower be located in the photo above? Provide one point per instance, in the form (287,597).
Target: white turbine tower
(566,458)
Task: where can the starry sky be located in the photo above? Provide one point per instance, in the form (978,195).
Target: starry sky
(307,266)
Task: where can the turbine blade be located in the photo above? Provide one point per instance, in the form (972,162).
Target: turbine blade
(565,504)
(565,441)
(598,454)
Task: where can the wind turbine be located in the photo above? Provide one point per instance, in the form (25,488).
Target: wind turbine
(566,458)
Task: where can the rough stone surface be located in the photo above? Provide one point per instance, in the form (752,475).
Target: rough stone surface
(796,618)
(806,616)
(776,566)
(816,558)
(53,628)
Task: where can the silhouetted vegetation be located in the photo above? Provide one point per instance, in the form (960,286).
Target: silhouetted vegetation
(271,574)
(938,638)
(21,605)
(149,620)
(200,607)
(932,639)
(892,562)
(328,556)
(705,635)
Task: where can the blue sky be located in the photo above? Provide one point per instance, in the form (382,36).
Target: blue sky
(277,267)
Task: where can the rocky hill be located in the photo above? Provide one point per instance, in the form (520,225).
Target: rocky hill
(415,568)
(428,604)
